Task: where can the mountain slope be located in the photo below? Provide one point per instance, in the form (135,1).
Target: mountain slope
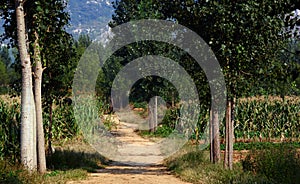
(89,16)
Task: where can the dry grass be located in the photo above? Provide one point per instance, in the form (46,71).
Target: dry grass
(9,99)
(290,99)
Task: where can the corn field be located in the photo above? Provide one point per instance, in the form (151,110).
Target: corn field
(267,118)
(10,130)
(255,118)
(63,127)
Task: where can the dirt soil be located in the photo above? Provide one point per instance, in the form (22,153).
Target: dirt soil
(140,162)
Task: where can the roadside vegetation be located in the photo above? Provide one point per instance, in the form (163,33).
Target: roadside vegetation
(71,158)
(271,165)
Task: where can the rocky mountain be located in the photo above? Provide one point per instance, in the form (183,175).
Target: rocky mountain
(87,17)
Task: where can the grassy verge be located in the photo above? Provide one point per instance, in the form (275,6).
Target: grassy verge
(16,174)
(72,160)
(272,165)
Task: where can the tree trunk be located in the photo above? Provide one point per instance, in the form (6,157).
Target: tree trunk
(38,72)
(211,136)
(151,117)
(228,156)
(28,131)
(215,137)
(155,114)
(50,128)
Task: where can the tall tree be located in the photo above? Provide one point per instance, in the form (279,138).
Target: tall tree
(28,149)
(45,37)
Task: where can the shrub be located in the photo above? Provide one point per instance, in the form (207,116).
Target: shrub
(279,165)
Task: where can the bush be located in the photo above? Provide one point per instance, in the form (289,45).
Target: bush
(279,165)
(143,105)
(171,118)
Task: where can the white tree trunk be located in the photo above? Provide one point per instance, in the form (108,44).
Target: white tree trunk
(28,132)
(38,72)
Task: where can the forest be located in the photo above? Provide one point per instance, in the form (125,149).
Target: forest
(207,91)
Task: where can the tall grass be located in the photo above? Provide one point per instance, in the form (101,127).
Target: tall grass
(270,166)
(278,165)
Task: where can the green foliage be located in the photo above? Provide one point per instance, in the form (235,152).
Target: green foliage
(261,145)
(266,166)
(171,118)
(9,131)
(268,118)
(279,165)
(143,105)
(246,41)
(4,78)
(262,117)
(109,122)
(64,126)
(161,131)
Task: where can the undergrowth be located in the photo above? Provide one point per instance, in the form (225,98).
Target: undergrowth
(273,165)
(16,174)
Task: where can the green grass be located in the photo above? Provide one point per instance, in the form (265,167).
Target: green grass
(72,160)
(161,132)
(279,165)
(16,174)
(272,165)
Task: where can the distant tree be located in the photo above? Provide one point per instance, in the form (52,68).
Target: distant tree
(4,78)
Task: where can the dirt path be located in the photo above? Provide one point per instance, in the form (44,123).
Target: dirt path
(138,163)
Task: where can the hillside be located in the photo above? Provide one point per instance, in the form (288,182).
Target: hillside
(87,17)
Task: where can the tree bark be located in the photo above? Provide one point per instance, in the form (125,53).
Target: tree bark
(38,72)
(50,127)
(228,156)
(155,114)
(211,136)
(28,132)
(215,137)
